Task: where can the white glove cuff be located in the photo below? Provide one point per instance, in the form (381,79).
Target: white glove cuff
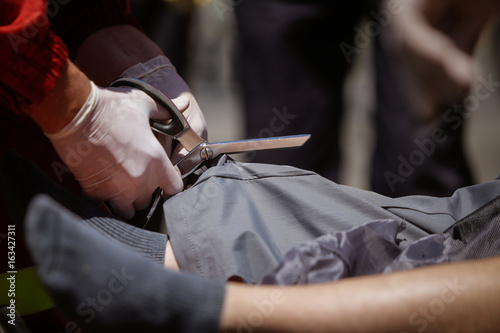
(140,70)
(80,119)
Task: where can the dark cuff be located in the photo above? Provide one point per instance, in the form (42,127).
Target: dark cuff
(78,19)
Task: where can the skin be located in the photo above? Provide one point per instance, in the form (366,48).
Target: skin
(433,42)
(102,57)
(124,44)
(59,107)
(437,53)
(170,261)
(459,297)
(382,303)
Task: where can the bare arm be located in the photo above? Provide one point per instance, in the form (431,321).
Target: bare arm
(456,297)
(61,105)
(434,41)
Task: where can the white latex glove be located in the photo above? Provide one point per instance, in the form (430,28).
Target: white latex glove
(161,74)
(111,150)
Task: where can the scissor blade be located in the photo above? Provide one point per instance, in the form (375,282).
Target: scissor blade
(241,146)
(207,151)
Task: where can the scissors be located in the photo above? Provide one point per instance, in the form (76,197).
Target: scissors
(199,150)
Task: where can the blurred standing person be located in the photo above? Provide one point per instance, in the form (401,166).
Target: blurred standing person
(294,66)
(293,71)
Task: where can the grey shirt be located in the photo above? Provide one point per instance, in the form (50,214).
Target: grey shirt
(239,219)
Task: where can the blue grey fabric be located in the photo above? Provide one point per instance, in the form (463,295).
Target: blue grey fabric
(372,249)
(239,220)
(361,250)
(367,249)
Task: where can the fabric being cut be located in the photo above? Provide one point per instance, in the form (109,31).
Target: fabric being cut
(361,250)
(240,219)
(372,249)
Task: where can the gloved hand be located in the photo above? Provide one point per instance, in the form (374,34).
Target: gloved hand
(112,151)
(161,74)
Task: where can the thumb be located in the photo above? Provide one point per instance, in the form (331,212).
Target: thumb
(169,178)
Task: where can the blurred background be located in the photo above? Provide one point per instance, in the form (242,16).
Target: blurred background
(208,34)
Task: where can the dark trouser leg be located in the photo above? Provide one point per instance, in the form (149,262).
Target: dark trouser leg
(411,157)
(293,70)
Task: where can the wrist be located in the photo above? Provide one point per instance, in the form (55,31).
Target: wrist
(75,128)
(62,104)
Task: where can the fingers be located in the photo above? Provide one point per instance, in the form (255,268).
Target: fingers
(160,173)
(170,181)
(441,71)
(460,68)
(450,71)
(182,102)
(190,109)
(123,210)
(188,105)
(136,193)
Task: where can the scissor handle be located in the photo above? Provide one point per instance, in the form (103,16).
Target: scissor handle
(178,123)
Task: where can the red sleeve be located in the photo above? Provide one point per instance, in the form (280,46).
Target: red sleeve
(33,51)
(31,56)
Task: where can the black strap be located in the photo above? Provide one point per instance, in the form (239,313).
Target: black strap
(477,235)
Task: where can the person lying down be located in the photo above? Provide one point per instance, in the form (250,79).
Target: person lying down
(354,254)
